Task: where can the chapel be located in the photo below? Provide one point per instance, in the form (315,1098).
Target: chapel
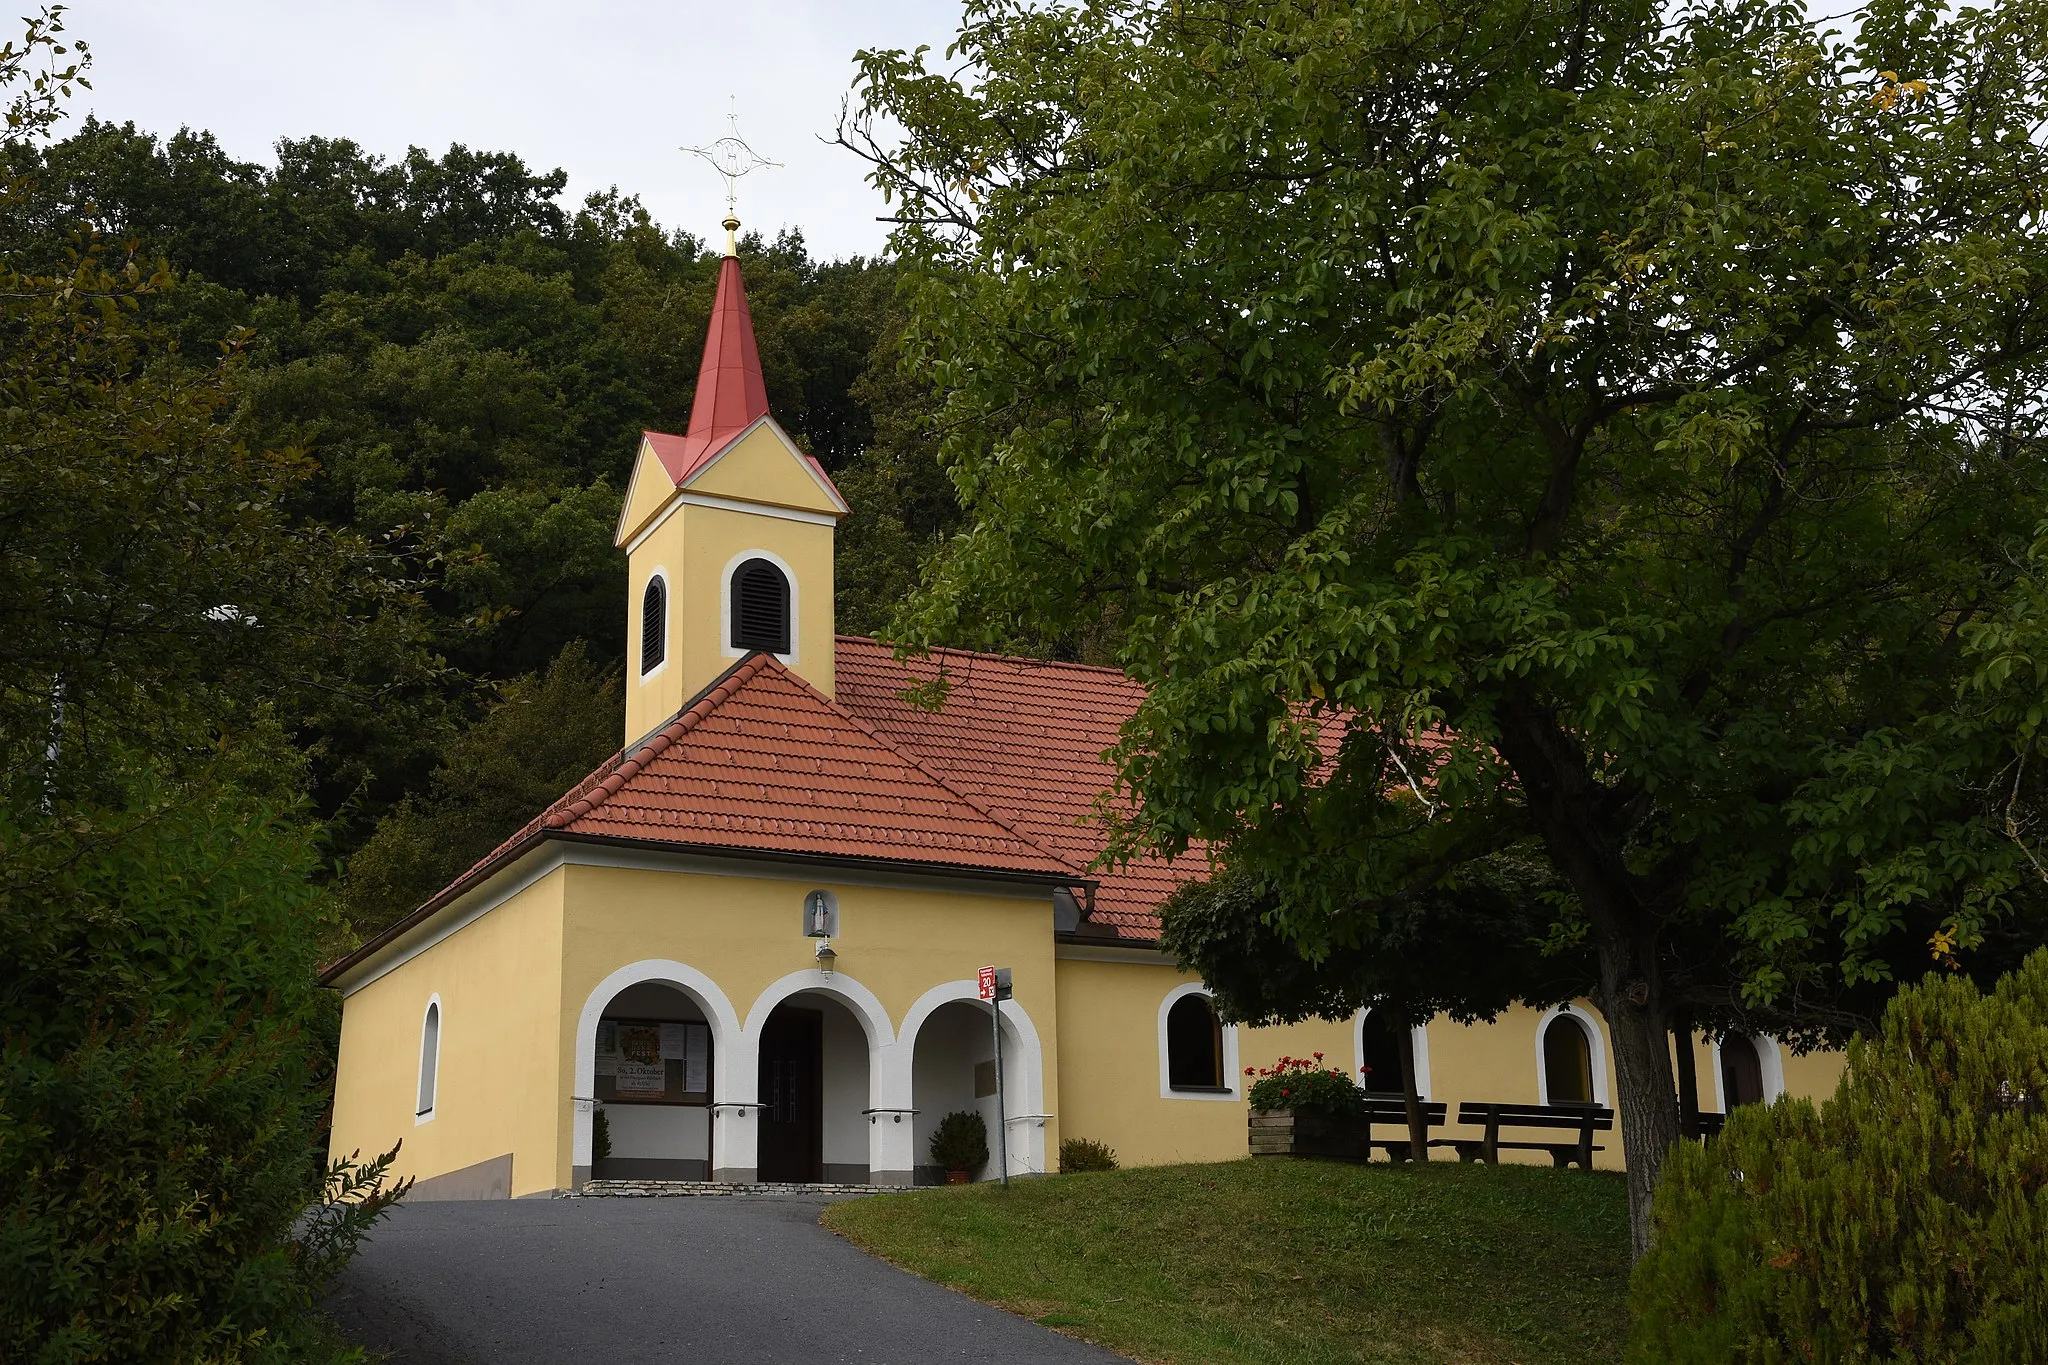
(750,946)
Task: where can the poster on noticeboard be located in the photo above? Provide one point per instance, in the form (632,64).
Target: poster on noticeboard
(653,1061)
(639,1070)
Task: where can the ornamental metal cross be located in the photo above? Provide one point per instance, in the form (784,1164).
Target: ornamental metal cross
(732,158)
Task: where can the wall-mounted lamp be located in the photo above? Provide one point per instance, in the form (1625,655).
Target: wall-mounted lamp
(826,957)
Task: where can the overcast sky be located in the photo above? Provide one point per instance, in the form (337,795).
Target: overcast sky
(606,91)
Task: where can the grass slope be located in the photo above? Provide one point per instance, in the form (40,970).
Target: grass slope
(1284,1261)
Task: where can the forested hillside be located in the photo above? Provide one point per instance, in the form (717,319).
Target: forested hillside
(468,363)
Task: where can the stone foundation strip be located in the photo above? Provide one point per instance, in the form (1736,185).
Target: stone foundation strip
(671,1189)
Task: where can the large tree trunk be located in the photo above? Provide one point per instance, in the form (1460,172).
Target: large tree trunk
(1584,824)
(1411,1094)
(1645,1107)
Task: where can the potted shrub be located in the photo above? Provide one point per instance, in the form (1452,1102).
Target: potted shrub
(1302,1108)
(960,1145)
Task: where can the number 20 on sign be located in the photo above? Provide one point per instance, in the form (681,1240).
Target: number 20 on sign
(986,980)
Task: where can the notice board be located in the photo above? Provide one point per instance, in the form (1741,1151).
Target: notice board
(653,1061)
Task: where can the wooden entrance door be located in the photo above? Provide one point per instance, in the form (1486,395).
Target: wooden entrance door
(792,1129)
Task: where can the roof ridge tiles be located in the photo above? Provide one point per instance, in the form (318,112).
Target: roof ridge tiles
(914,761)
(630,764)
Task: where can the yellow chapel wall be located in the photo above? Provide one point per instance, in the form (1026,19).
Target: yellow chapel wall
(695,551)
(498,980)
(745,932)
(1110,1086)
(648,491)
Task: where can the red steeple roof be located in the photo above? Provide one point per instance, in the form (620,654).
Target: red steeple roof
(731,395)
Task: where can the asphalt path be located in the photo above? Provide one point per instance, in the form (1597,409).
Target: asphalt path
(730,1279)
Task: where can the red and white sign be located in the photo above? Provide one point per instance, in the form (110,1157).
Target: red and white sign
(986,980)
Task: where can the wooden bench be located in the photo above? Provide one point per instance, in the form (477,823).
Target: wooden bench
(1387,1110)
(1586,1119)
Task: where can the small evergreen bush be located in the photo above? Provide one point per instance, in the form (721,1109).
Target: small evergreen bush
(1306,1086)
(1906,1219)
(1085,1154)
(600,1136)
(960,1142)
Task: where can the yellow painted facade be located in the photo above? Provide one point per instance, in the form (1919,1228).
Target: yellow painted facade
(694,547)
(525,965)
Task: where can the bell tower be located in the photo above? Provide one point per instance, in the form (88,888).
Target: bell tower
(727,531)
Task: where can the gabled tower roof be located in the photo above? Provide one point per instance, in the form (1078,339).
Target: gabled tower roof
(731,395)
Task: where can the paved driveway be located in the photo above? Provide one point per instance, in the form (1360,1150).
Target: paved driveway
(620,1281)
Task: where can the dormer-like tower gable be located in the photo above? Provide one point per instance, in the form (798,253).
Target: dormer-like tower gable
(728,535)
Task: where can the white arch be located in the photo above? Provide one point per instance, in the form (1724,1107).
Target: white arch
(840,987)
(1232,1077)
(718,1011)
(725,603)
(1027,1139)
(668,605)
(1418,1041)
(437,1015)
(1770,1062)
(1596,1048)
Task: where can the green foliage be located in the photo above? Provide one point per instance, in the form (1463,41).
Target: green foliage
(1503,424)
(1306,1085)
(960,1142)
(174,643)
(600,1135)
(1906,1219)
(1468,947)
(544,735)
(160,1088)
(467,365)
(1085,1154)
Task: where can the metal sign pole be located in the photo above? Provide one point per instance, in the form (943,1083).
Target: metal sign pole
(995,1014)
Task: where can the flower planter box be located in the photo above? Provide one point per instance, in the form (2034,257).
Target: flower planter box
(1283,1132)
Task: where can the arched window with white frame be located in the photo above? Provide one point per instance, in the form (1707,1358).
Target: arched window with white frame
(1197,1050)
(430,1061)
(1571,1057)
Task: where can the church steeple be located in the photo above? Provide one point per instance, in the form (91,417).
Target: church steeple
(731,395)
(728,530)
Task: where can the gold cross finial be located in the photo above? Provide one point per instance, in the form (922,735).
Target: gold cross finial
(732,158)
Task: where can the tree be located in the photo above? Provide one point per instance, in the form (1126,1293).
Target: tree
(1614,419)
(546,733)
(466,363)
(1904,1219)
(1468,948)
(165,626)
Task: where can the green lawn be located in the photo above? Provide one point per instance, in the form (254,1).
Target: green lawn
(1279,1260)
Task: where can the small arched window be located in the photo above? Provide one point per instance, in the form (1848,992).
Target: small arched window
(1194,1045)
(653,625)
(760,607)
(1382,1046)
(1742,1072)
(1567,1062)
(430,1058)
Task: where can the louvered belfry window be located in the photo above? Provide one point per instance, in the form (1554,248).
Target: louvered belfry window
(653,625)
(760,608)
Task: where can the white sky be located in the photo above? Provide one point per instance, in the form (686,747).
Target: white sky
(605,91)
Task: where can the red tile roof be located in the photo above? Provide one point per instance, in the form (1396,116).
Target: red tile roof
(1025,737)
(762,761)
